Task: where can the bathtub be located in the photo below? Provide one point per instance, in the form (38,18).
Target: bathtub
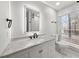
(67,49)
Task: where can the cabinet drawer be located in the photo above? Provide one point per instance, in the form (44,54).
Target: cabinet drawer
(35,52)
(20,54)
(40,51)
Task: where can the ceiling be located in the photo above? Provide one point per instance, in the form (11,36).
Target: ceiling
(63,4)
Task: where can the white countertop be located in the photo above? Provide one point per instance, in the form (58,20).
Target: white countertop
(24,43)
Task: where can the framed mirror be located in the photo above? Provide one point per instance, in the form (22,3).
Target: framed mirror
(31,20)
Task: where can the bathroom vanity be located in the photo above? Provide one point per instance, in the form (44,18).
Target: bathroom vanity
(31,48)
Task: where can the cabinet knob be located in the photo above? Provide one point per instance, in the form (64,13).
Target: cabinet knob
(40,51)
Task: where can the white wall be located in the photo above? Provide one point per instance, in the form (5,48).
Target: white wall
(46,15)
(4,31)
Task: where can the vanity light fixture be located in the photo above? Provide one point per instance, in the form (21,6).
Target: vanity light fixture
(57,3)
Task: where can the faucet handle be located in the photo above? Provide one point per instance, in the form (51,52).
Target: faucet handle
(35,35)
(30,37)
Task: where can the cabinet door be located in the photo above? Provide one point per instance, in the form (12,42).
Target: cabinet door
(45,50)
(48,49)
(52,48)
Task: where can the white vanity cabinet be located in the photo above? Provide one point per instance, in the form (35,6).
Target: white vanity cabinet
(43,50)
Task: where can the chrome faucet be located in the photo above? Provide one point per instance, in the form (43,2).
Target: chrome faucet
(33,36)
